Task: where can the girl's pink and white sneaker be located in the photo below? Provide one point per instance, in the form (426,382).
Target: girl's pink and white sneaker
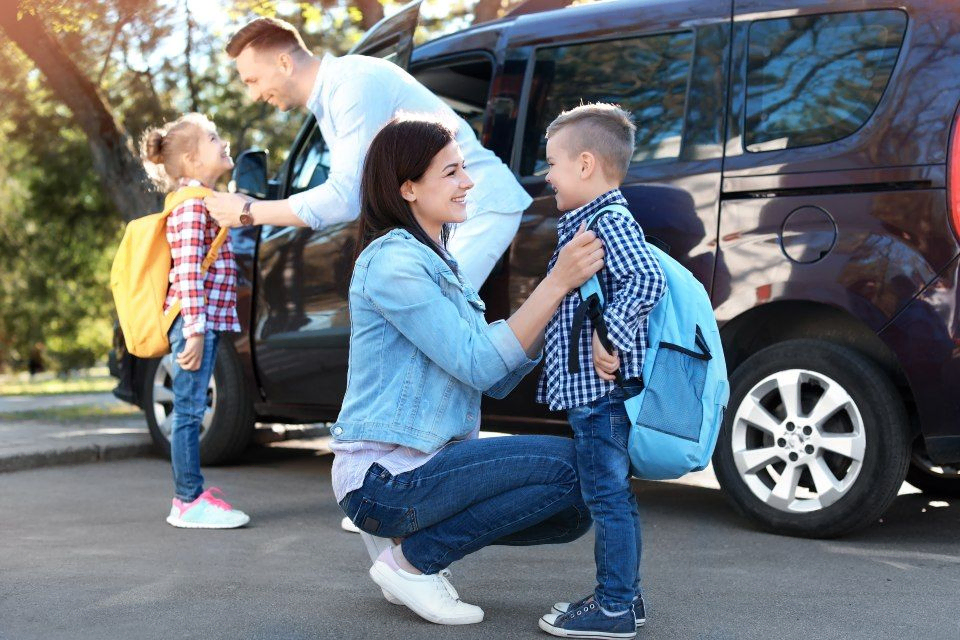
(206,512)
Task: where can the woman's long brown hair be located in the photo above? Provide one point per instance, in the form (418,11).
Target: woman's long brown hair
(401,151)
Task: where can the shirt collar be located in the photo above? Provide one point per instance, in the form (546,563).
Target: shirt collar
(313,102)
(572,219)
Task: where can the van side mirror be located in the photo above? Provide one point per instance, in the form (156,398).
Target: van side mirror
(250,173)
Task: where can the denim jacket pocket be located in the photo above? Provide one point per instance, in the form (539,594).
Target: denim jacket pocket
(476,302)
(451,285)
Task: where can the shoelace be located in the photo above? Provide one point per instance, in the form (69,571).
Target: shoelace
(217,502)
(579,611)
(442,583)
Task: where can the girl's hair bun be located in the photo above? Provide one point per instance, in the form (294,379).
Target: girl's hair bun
(151,146)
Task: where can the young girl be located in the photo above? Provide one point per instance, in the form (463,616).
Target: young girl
(409,465)
(189,153)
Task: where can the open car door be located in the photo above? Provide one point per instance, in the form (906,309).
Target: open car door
(301,328)
(392,37)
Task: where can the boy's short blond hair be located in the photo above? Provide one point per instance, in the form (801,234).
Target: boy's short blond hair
(605,130)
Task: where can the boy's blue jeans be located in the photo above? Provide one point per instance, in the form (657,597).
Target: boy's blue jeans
(515,490)
(189,405)
(600,430)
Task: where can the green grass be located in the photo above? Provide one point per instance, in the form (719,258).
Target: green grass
(74,414)
(58,386)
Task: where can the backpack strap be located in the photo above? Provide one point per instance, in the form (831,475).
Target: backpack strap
(591,306)
(173,200)
(181,195)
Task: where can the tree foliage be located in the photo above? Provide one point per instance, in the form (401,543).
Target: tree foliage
(80,80)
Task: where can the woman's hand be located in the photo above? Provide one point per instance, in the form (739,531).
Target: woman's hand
(578,260)
(192,355)
(606,364)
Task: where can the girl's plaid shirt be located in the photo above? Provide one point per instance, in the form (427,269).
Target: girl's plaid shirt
(210,303)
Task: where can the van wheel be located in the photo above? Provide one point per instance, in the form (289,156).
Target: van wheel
(932,478)
(814,441)
(228,422)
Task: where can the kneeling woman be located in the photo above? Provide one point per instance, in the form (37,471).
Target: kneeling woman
(409,465)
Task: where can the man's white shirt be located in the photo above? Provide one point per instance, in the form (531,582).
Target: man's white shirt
(352,98)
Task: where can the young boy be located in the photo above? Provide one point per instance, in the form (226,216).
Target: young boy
(589,149)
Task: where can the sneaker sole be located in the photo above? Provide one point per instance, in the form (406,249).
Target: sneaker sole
(640,621)
(180,524)
(384,582)
(597,635)
(390,597)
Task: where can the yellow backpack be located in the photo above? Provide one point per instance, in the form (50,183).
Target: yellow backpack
(140,277)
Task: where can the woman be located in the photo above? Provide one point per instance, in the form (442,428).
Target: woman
(409,465)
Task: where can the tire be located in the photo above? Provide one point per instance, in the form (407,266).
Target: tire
(818,478)
(228,423)
(931,478)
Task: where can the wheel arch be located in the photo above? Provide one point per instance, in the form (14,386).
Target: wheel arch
(778,321)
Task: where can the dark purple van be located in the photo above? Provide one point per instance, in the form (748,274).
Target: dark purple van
(802,159)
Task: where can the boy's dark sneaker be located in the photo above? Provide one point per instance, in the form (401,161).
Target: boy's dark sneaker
(638,611)
(588,621)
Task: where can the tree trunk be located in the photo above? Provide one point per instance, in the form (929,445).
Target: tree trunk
(191,83)
(114,159)
(371,10)
(486,10)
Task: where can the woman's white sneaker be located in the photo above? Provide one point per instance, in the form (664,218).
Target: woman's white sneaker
(431,597)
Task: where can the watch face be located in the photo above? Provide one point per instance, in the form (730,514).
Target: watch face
(246,219)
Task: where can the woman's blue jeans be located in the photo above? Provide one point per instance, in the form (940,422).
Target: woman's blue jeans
(189,405)
(514,490)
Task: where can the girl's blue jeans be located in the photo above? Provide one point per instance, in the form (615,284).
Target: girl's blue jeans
(515,490)
(189,405)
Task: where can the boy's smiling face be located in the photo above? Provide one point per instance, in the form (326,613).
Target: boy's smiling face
(566,174)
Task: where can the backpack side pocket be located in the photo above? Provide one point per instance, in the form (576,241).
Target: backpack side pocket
(672,399)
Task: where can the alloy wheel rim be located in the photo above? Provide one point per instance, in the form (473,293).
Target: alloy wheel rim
(798,441)
(163,399)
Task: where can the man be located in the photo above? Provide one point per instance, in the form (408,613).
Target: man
(352,98)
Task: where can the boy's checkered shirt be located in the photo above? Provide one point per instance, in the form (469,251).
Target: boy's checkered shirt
(632,283)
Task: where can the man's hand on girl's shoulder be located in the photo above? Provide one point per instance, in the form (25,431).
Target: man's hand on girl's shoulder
(226,208)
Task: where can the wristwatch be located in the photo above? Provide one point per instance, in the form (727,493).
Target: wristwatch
(246,218)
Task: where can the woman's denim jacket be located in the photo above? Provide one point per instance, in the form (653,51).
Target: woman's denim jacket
(421,351)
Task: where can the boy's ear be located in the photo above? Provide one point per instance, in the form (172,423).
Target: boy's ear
(588,164)
(406,191)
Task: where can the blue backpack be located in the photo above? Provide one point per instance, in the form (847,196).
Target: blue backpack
(676,414)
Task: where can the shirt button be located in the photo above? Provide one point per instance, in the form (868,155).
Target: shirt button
(337,431)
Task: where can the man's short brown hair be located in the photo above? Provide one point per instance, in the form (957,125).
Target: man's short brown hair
(603,129)
(264,34)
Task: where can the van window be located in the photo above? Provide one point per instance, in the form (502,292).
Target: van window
(816,79)
(647,76)
(312,164)
(464,85)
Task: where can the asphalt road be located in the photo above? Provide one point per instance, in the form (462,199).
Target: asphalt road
(85,553)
